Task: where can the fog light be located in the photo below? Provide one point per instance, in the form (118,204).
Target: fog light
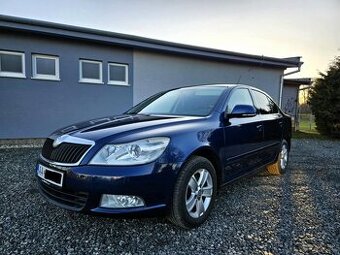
(120,201)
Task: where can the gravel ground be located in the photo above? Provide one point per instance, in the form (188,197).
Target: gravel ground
(298,213)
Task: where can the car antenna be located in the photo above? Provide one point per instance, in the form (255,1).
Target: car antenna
(240,77)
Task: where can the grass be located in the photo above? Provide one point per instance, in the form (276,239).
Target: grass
(307,126)
(307,129)
(307,123)
(308,135)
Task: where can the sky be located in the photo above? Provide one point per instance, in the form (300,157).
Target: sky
(276,28)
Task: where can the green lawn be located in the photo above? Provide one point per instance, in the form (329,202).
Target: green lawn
(307,135)
(307,128)
(307,123)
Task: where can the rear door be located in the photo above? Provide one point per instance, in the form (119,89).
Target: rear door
(243,138)
(272,121)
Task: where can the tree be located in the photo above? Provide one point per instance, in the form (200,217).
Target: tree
(324,99)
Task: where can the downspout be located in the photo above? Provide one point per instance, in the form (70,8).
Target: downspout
(281,84)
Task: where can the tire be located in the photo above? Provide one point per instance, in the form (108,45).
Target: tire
(185,195)
(279,167)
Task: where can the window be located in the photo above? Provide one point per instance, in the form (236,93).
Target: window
(239,96)
(90,71)
(184,101)
(264,104)
(12,64)
(45,67)
(118,74)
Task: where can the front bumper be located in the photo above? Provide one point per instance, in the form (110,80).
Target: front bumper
(83,186)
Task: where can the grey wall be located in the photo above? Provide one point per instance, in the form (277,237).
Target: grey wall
(34,108)
(154,72)
(289,94)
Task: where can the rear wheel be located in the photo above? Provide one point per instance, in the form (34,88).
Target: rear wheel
(279,167)
(194,193)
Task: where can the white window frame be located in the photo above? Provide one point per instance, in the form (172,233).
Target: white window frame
(14,74)
(38,76)
(115,82)
(88,80)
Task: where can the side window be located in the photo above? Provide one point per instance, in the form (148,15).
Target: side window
(273,107)
(239,96)
(263,104)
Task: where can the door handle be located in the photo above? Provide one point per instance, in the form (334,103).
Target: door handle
(259,127)
(281,123)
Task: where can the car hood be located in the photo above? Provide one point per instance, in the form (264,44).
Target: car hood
(117,126)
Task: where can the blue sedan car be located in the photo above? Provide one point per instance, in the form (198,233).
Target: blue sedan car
(169,154)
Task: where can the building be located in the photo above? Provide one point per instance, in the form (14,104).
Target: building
(290,97)
(52,75)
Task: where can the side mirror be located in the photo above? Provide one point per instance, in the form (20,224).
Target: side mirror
(242,111)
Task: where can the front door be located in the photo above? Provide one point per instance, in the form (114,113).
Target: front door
(243,138)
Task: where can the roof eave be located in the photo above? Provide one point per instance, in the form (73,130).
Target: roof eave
(67,31)
(297,82)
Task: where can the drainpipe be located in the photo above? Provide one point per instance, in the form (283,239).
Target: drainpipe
(281,84)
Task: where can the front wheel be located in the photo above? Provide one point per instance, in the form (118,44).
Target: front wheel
(194,193)
(279,167)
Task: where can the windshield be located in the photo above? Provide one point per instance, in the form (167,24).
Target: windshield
(185,101)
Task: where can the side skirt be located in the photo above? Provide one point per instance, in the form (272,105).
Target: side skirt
(252,172)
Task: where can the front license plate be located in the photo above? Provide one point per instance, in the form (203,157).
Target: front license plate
(50,175)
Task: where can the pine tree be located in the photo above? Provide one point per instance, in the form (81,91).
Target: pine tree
(324,100)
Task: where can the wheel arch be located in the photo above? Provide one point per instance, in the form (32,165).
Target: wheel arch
(208,153)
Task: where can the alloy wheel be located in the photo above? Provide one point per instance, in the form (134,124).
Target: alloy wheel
(284,156)
(199,193)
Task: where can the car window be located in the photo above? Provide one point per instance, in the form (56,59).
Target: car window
(239,96)
(264,104)
(184,101)
(273,107)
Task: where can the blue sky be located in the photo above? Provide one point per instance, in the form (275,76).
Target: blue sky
(308,28)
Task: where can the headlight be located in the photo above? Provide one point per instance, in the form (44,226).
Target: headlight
(134,153)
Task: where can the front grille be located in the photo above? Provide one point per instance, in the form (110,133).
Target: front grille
(67,199)
(69,153)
